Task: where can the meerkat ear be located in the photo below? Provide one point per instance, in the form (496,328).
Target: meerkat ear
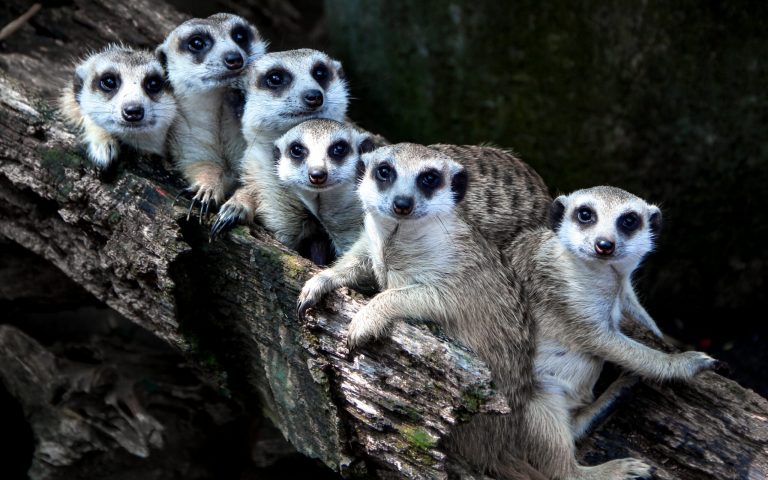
(459,182)
(366,145)
(654,220)
(556,212)
(276,154)
(339,70)
(162,58)
(78,80)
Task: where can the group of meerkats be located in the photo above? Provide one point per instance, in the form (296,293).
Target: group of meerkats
(464,236)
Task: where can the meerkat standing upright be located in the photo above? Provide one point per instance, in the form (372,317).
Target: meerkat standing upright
(578,275)
(319,161)
(204,60)
(282,90)
(433,265)
(119,95)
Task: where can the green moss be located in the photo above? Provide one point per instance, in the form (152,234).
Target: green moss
(418,439)
(55,160)
(471,401)
(114,217)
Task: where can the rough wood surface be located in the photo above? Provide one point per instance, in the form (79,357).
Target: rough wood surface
(231,304)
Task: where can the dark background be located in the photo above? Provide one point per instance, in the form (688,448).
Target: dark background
(667,101)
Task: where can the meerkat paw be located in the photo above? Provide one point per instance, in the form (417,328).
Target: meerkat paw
(621,469)
(205,195)
(312,292)
(693,363)
(365,328)
(103,153)
(229,215)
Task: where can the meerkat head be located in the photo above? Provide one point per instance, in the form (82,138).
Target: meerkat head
(124,91)
(284,89)
(408,181)
(206,53)
(606,223)
(319,155)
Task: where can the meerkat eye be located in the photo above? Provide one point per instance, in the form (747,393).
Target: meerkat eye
(320,73)
(108,82)
(276,79)
(429,180)
(297,151)
(196,43)
(383,172)
(586,215)
(240,35)
(153,84)
(629,222)
(338,150)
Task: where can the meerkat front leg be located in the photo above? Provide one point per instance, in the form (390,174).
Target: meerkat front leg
(209,184)
(645,361)
(103,148)
(353,268)
(585,419)
(632,308)
(376,319)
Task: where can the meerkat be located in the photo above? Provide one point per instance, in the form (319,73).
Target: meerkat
(578,276)
(282,90)
(319,161)
(431,264)
(119,95)
(204,60)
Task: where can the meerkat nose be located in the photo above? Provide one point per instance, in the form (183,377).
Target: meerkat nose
(233,61)
(403,205)
(317,176)
(133,112)
(604,246)
(313,98)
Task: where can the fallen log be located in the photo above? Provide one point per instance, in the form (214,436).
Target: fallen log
(230,305)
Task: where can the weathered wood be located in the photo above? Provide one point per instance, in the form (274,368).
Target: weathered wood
(231,304)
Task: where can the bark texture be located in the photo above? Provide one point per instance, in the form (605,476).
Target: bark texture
(230,305)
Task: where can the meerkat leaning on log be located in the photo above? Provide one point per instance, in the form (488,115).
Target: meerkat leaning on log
(433,265)
(119,95)
(578,277)
(204,59)
(282,90)
(319,161)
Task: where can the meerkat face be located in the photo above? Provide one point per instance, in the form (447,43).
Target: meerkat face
(286,88)
(124,92)
(408,182)
(205,53)
(606,223)
(319,155)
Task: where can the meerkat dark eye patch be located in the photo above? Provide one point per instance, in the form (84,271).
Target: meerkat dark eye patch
(153,84)
(385,175)
(459,184)
(339,150)
(322,74)
(276,79)
(241,35)
(629,223)
(585,216)
(297,152)
(198,44)
(429,181)
(107,82)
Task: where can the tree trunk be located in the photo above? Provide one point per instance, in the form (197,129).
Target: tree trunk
(230,305)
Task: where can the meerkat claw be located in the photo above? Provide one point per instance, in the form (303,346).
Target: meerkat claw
(303,308)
